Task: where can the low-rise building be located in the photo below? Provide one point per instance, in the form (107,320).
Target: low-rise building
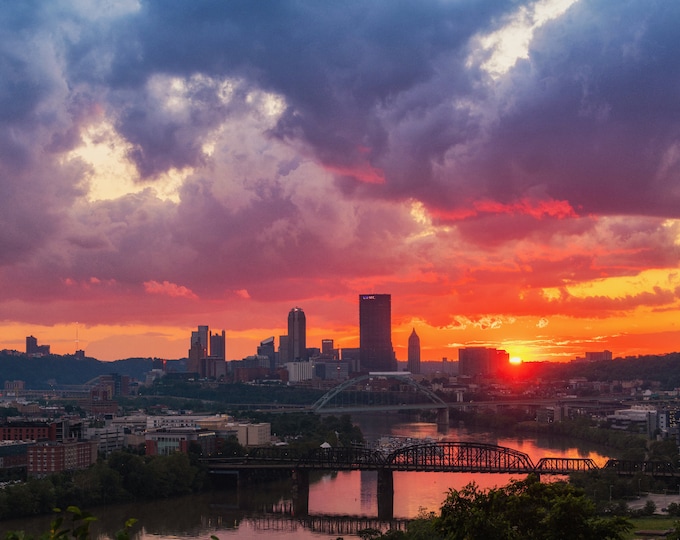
(174,421)
(300,371)
(108,438)
(254,434)
(643,418)
(166,441)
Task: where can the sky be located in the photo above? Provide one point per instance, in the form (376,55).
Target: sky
(508,171)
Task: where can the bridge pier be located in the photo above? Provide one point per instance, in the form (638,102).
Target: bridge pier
(385,494)
(301,492)
(443,419)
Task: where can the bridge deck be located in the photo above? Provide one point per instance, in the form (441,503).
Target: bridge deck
(433,457)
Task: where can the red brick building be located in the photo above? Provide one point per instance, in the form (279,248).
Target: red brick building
(29,431)
(53,457)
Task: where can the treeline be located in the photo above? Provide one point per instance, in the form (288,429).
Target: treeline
(123,477)
(632,445)
(309,430)
(236,393)
(664,369)
(41,372)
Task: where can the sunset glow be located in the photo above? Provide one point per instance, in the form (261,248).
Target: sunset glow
(510,175)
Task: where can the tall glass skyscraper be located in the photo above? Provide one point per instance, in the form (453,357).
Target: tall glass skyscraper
(375,333)
(297,335)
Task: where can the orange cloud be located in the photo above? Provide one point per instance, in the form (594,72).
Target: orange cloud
(168,289)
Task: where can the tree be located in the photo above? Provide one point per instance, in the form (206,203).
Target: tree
(528,510)
(78,528)
(666,450)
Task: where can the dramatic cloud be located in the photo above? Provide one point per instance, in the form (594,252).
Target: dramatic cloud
(509,172)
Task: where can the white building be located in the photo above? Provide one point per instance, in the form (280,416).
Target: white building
(174,421)
(254,434)
(300,371)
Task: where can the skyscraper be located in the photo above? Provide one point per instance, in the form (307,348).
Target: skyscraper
(201,337)
(375,333)
(218,345)
(414,353)
(297,335)
(283,350)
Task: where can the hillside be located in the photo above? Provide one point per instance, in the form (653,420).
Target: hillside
(43,372)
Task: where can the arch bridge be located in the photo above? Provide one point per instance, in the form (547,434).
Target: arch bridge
(380,391)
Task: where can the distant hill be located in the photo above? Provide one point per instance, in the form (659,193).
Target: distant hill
(42,372)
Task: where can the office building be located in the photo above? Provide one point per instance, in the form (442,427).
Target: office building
(33,349)
(328,351)
(297,335)
(218,345)
(283,351)
(375,333)
(414,353)
(200,338)
(268,349)
(482,361)
(352,356)
(207,353)
(599,356)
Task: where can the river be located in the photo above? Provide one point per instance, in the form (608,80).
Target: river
(265,511)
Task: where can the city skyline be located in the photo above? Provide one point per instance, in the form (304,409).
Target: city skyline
(508,171)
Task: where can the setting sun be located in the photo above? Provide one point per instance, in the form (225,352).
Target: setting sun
(515,360)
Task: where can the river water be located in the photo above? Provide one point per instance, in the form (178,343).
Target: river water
(339,503)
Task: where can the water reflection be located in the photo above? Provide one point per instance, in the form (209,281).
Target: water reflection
(339,502)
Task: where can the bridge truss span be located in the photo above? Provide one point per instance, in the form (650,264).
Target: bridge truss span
(557,465)
(339,458)
(460,457)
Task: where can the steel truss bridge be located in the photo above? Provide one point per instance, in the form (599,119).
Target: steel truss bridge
(442,456)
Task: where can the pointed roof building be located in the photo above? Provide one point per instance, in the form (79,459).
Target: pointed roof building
(414,353)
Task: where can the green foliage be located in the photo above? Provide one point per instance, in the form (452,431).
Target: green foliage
(309,430)
(666,450)
(528,510)
(634,445)
(664,369)
(35,372)
(236,393)
(77,526)
(123,477)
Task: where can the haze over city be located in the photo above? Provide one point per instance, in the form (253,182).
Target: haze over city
(507,171)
